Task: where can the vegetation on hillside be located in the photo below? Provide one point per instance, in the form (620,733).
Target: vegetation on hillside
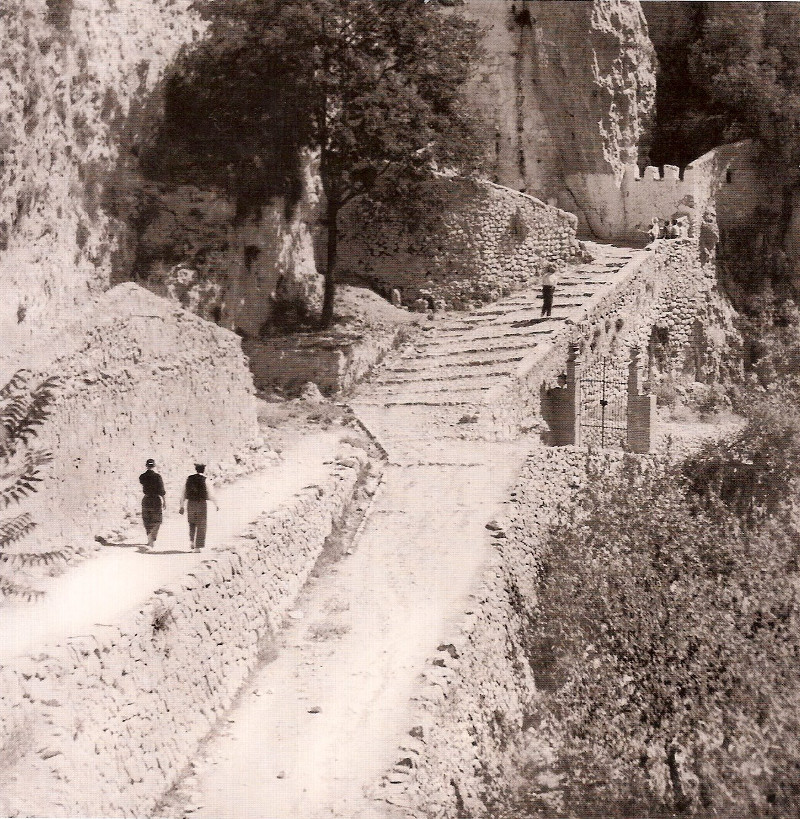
(374,87)
(730,71)
(671,594)
(23,409)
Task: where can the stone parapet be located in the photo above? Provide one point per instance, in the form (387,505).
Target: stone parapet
(665,291)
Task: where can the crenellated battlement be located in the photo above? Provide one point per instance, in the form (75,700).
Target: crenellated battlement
(671,193)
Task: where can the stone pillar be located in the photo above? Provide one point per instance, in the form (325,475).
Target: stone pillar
(572,397)
(560,407)
(641,410)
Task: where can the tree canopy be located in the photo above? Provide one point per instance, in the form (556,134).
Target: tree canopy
(375,86)
(730,71)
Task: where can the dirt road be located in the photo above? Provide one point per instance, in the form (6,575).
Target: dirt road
(319,726)
(121,576)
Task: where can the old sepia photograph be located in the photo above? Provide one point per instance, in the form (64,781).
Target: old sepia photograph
(399,409)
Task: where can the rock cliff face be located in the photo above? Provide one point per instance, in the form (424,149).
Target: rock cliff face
(568,100)
(76,80)
(185,244)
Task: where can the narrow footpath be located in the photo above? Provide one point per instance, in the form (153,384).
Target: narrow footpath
(320,725)
(121,576)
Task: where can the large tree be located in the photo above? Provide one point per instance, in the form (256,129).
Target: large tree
(375,86)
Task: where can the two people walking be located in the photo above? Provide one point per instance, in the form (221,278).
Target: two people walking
(194,499)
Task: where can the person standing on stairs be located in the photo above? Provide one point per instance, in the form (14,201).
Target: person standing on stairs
(196,494)
(153,501)
(549,280)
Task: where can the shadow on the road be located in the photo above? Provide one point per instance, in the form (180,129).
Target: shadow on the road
(527,322)
(119,544)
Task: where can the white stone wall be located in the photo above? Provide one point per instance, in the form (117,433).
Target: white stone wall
(103,725)
(141,378)
(703,186)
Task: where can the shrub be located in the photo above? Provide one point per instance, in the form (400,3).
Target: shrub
(754,472)
(23,409)
(677,635)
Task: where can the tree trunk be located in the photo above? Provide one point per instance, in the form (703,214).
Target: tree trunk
(326,319)
(681,802)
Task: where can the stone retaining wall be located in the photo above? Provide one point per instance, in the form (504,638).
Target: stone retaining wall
(335,364)
(483,241)
(141,378)
(103,725)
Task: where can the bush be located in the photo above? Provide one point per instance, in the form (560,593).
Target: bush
(23,409)
(754,472)
(678,633)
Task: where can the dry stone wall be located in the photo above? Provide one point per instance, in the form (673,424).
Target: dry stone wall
(75,81)
(479,241)
(104,724)
(141,378)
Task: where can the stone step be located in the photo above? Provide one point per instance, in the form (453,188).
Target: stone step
(440,398)
(431,365)
(414,423)
(510,321)
(474,374)
(469,347)
(394,391)
(527,310)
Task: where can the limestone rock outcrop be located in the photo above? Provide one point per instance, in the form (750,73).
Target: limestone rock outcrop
(569,99)
(76,82)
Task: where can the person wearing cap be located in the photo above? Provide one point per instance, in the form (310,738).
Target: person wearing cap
(153,501)
(549,279)
(196,494)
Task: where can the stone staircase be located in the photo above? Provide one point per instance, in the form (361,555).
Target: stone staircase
(437,385)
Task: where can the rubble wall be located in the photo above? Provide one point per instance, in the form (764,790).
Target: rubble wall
(141,378)
(484,242)
(103,725)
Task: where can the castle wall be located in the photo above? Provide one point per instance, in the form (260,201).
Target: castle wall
(723,180)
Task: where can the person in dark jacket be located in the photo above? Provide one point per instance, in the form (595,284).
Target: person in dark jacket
(153,501)
(196,494)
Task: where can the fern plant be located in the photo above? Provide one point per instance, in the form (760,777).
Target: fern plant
(24,407)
